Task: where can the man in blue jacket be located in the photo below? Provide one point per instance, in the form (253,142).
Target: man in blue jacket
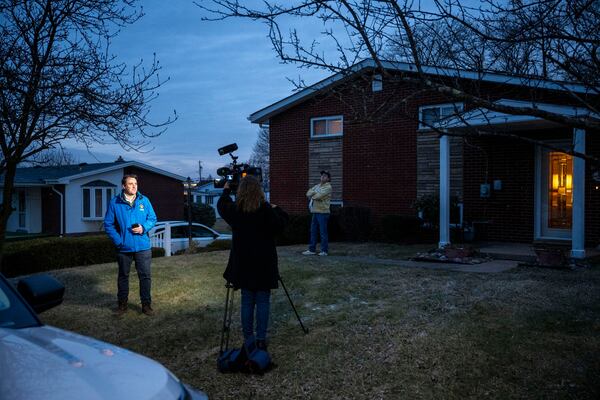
(128,220)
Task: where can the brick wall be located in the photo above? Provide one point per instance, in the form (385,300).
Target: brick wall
(592,195)
(165,194)
(510,211)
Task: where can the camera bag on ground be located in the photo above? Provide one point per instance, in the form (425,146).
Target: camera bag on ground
(258,360)
(248,358)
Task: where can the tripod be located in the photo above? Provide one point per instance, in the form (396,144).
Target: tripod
(229,311)
(292,304)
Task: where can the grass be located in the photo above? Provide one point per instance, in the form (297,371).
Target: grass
(376,331)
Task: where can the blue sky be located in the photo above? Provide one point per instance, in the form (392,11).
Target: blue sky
(220,73)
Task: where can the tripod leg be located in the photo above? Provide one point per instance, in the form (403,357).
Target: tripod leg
(293,307)
(225,327)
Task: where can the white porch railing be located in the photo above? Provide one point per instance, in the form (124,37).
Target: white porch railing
(162,239)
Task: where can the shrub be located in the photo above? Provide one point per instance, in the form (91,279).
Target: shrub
(218,245)
(296,231)
(354,223)
(429,206)
(38,255)
(201,213)
(401,229)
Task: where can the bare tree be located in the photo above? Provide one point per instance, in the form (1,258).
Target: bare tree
(260,155)
(56,157)
(542,41)
(58,80)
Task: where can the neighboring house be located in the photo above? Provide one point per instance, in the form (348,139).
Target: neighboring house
(73,198)
(207,194)
(520,192)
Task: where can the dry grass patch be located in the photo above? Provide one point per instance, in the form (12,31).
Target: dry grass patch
(376,331)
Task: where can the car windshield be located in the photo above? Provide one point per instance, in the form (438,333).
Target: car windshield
(13,313)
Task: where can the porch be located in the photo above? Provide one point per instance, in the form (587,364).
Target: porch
(533,191)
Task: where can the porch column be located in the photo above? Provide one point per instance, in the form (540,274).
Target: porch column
(444,191)
(578,228)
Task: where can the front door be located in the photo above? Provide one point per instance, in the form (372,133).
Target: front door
(556,195)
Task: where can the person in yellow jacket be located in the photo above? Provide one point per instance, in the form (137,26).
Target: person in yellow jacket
(320,199)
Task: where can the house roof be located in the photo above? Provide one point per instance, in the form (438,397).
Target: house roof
(43,176)
(263,115)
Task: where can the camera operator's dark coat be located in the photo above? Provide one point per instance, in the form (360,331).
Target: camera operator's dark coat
(253,257)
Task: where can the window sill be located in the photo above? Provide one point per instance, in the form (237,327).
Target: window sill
(326,136)
(95,219)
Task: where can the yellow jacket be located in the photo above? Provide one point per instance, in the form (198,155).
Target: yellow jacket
(320,198)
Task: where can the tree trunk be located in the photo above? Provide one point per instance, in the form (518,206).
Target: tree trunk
(6,208)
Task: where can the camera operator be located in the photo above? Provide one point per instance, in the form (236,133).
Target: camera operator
(252,265)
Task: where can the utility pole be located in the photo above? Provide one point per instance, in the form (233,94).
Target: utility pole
(189,209)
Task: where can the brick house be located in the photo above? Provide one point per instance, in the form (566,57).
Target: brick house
(72,199)
(384,156)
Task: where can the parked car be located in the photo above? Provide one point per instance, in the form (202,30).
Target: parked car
(202,235)
(43,362)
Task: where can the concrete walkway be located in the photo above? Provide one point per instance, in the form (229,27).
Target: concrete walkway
(492,266)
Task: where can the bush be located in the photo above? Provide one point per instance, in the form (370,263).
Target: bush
(429,206)
(401,229)
(218,245)
(201,213)
(39,255)
(354,224)
(297,230)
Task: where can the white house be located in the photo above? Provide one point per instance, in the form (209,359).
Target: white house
(73,198)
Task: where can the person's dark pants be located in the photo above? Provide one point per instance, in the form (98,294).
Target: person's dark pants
(318,225)
(142,265)
(261,299)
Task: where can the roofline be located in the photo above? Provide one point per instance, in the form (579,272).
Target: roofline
(67,179)
(486,117)
(262,116)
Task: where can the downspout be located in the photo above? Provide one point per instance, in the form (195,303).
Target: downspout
(61,210)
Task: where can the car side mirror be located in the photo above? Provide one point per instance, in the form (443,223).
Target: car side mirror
(42,292)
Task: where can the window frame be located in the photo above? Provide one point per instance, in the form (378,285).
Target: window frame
(92,202)
(328,118)
(422,127)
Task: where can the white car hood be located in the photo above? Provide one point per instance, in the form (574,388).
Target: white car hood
(49,363)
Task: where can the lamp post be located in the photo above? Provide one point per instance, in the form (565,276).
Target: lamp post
(189,209)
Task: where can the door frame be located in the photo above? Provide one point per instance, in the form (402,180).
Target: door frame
(541,230)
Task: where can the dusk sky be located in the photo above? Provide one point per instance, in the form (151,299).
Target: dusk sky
(220,73)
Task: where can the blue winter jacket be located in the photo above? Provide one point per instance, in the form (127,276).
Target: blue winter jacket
(119,218)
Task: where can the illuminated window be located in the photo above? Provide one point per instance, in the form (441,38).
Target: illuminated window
(326,126)
(430,115)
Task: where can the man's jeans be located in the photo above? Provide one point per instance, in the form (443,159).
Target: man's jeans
(262,300)
(319,225)
(142,265)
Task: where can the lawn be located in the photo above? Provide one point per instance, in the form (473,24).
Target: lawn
(376,331)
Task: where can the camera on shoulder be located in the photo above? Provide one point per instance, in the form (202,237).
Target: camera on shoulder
(234,172)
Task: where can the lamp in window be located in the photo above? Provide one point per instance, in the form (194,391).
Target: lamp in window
(555,182)
(569,183)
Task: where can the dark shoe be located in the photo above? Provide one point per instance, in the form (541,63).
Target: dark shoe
(121,308)
(261,344)
(147,309)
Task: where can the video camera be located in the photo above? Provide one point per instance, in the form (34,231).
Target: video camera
(234,172)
